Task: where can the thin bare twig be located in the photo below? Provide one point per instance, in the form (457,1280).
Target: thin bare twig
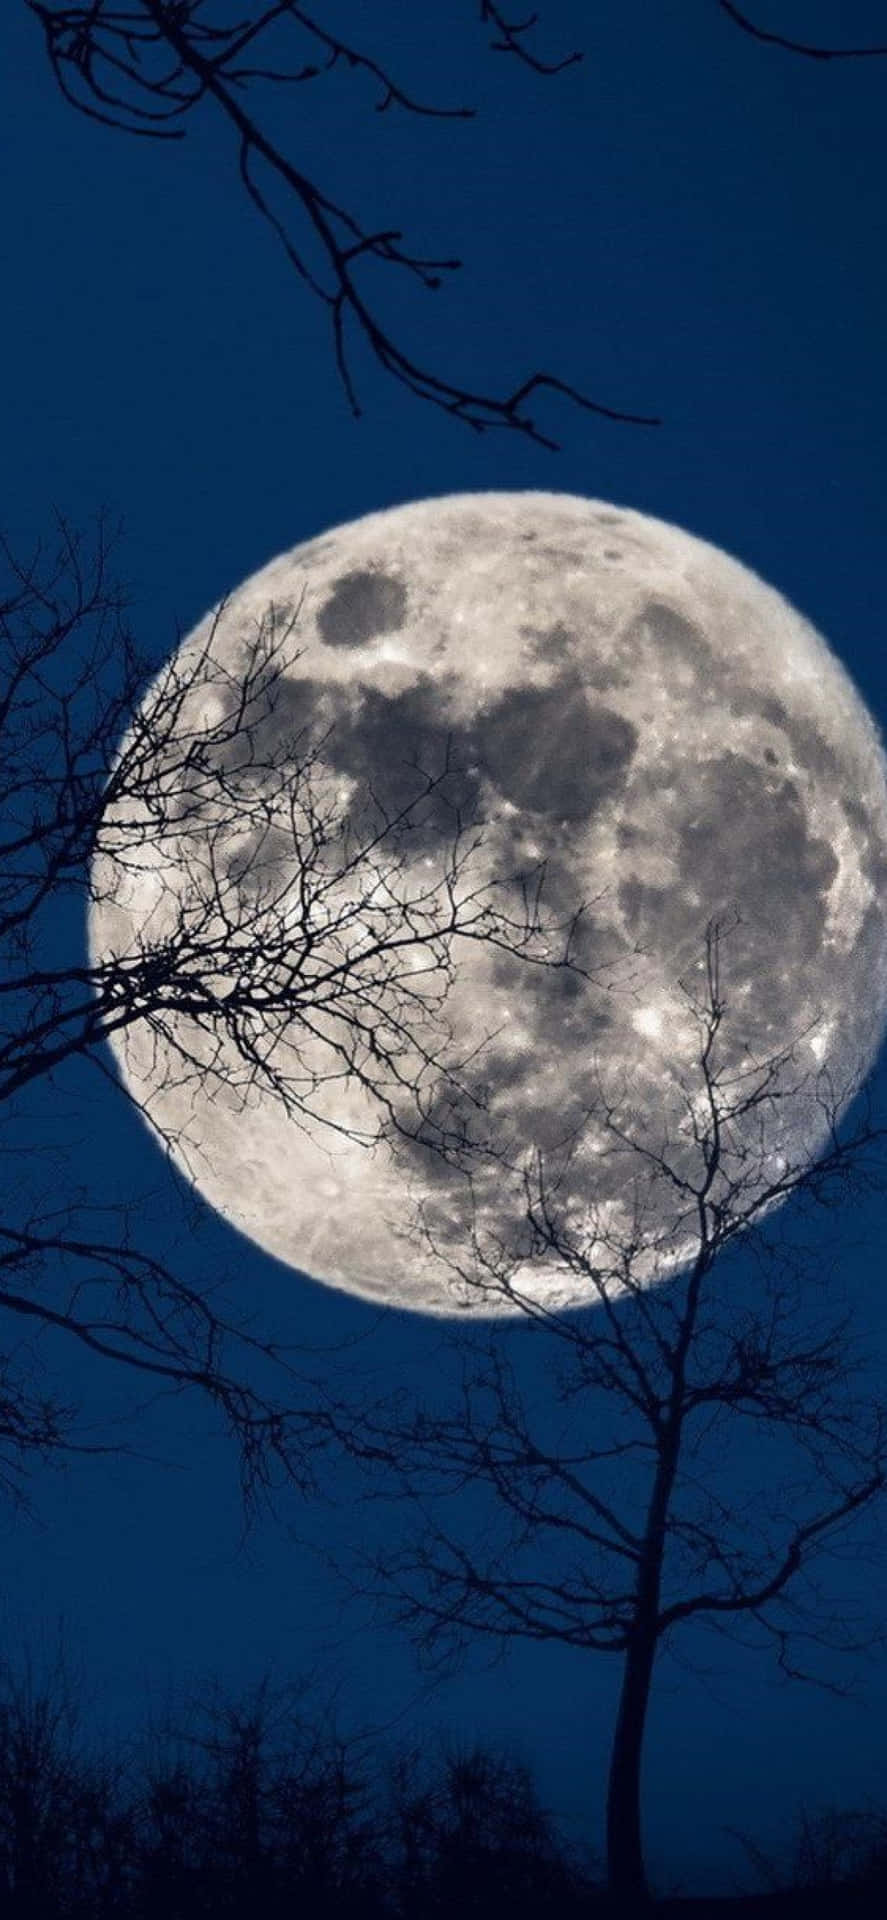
(806,49)
(145,67)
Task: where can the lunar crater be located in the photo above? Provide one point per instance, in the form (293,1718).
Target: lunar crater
(556,644)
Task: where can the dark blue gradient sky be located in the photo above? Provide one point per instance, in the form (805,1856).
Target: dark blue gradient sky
(688,224)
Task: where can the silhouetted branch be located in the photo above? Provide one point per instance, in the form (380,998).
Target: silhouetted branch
(144,68)
(138,1311)
(251,933)
(511,39)
(803,47)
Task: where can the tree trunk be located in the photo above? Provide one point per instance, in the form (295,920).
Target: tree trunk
(626,1877)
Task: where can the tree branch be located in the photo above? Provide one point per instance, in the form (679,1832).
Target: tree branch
(167,58)
(802,47)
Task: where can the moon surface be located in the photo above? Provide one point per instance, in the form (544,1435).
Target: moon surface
(637,720)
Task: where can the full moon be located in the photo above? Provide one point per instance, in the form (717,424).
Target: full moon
(638,726)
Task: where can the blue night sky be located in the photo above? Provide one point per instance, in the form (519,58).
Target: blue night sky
(688,224)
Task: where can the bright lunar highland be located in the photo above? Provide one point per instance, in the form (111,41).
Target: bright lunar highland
(629,719)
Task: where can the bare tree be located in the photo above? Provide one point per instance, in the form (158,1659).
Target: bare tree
(145,68)
(631,1503)
(66,1833)
(835,1850)
(279,1806)
(471,1836)
(252,1803)
(259,1802)
(289,944)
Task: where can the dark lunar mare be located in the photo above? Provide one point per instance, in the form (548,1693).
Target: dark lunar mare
(550,751)
(361,605)
(553,751)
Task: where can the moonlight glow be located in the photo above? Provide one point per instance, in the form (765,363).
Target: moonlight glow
(635,710)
